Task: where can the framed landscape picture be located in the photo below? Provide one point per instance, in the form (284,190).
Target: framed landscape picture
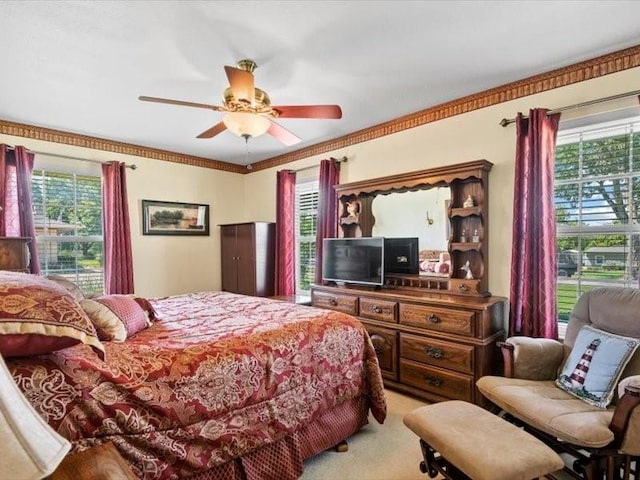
(174,218)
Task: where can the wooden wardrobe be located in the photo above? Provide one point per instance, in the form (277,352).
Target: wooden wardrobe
(248,258)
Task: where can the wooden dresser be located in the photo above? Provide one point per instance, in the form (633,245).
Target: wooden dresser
(435,334)
(433,346)
(14,254)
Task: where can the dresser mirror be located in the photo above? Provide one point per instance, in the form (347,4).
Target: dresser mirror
(420,213)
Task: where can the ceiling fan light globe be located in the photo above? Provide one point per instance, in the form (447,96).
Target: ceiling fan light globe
(242,123)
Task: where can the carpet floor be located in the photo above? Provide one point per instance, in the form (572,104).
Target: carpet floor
(378,452)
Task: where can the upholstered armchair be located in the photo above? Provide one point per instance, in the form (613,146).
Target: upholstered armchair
(602,441)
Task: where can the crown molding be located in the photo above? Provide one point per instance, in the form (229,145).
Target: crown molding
(561,77)
(94,143)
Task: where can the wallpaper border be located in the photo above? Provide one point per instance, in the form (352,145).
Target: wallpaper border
(579,72)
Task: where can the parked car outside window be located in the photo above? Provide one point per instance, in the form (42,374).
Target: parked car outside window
(567,264)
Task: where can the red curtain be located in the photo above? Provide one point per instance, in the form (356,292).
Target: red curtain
(118,259)
(16,203)
(327,209)
(285,233)
(533,256)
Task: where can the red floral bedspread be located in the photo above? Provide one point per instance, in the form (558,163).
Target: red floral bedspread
(217,376)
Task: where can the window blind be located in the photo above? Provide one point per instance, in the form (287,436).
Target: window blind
(597,196)
(306,214)
(68,220)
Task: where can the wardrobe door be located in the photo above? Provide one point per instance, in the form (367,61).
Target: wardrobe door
(246,262)
(228,258)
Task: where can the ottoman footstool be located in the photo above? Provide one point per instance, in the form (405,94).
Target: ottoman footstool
(461,440)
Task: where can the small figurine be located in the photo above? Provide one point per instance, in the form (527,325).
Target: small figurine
(467,268)
(468,203)
(353,209)
(463,237)
(475,238)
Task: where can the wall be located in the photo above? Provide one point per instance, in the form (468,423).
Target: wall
(466,137)
(163,265)
(171,265)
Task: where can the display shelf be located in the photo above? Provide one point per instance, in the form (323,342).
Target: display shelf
(465,247)
(466,212)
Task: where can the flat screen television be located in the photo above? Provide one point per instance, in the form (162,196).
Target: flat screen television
(401,255)
(353,260)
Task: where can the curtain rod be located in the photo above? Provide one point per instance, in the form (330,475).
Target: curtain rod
(131,166)
(504,122)
(338,161)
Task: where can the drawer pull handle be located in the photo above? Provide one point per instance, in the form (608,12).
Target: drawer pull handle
(436,382)
(463,287)
(333,301)
(433,318)
(376,309)
(433,352)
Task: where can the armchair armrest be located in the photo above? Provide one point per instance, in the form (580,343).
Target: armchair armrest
(625,423)
(531,358)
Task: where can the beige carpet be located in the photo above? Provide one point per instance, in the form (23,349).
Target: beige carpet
(377,452)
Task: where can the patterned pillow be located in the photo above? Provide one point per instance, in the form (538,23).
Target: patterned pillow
(116,317)
(592,370)
(38,316)
(68,285)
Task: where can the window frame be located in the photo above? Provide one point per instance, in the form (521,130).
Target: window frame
(42,175)
(628,127)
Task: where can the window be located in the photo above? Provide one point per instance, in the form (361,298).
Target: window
(597,199)
(306,222)
(68,220)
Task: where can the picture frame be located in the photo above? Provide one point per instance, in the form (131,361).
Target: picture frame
(174,218)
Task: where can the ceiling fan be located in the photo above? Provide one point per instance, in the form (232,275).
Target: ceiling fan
(248,109)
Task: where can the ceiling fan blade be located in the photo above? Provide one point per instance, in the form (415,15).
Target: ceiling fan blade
(180,102)
(309,111)
(241,83)
(213,131)
(282,134)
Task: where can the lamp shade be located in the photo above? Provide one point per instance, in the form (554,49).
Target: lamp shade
(29,448)
(242,123)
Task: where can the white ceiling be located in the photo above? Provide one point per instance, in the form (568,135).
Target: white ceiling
(80,66)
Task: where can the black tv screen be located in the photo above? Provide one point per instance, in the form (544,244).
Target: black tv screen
(353,260)
(401,255)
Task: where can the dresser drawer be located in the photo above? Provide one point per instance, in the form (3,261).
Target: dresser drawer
(378,309)
(452,385)
(437,352)
(341,303)
(385,344)
(433,318)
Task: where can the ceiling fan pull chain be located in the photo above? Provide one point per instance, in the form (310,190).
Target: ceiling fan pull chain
(246,137)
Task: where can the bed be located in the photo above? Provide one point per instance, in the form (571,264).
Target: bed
(219,386)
